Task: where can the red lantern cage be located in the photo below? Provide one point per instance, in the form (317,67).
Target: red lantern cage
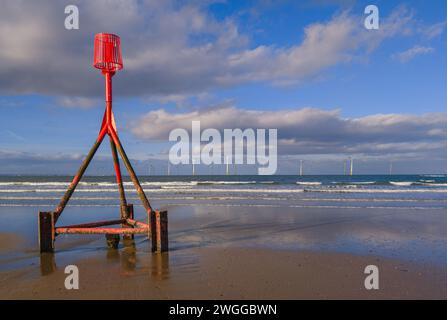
(107,52)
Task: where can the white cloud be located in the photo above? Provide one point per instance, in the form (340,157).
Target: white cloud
(434,30)
(312,131)
(170,48)
(411,53)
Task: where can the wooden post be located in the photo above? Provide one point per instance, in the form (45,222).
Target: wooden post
(152,234)
(159,226)
(129,215)
(47,263)
(162,231)
(46,231)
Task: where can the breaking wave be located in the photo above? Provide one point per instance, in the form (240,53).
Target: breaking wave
(402,183)
(309,183)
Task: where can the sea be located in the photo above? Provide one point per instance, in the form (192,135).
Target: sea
(360,191)
(395,216)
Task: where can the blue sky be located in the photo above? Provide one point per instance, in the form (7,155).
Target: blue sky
(358,88)
(179,57)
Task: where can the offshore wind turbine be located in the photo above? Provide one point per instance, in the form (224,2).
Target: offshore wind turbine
(351,170)
(301,167)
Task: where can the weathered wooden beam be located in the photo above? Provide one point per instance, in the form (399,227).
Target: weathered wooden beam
(46,231)
(95,224)
(135,223)
(159,226)
(101,230)
(129,215)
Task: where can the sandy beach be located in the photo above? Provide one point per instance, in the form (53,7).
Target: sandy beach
(221,252)
(232,273)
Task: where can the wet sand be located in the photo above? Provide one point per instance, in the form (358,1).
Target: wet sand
(228,273)
(243,253)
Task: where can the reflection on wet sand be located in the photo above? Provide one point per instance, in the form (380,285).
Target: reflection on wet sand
(126,256)
(160,265)
(112,255)
(129,256)
(413,235)
(129,260)
(133,262)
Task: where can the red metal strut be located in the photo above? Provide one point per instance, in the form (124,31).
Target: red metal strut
(107,58)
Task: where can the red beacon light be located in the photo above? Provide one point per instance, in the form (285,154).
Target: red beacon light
(107,57)
(107,52)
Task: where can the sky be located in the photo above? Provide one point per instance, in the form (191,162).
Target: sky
(310,69)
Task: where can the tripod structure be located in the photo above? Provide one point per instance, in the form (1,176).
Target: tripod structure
(107,57)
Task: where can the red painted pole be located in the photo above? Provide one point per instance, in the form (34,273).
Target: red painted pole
(101,230)
(108,95)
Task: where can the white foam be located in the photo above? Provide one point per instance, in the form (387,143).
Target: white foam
(379,190)
(363,182)
(99,184)
(402,183)
(309,183)
(225,182)
(25,183)
(161,190)
(175,187)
